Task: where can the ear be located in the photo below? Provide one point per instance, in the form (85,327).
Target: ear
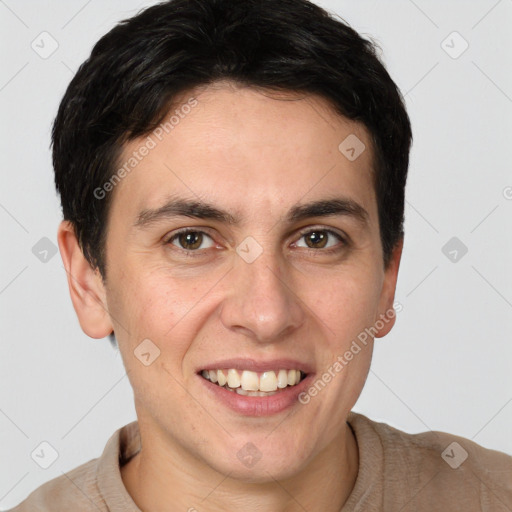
(387,313)
(85,285)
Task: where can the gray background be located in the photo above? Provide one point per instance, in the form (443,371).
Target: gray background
(447,363)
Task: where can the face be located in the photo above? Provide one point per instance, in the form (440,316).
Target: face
(246,243)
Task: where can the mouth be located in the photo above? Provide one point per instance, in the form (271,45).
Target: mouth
(254,384)
(255,388)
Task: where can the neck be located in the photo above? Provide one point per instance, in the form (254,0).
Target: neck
(161,475)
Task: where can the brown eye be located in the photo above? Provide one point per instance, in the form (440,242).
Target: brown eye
(320,239)
(316,239)
(192,240)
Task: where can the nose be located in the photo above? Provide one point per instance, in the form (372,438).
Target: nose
(261,302)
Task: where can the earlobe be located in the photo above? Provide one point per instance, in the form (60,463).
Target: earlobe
(85,285)
(387,313)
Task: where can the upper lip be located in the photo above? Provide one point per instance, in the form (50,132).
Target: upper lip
(257,365)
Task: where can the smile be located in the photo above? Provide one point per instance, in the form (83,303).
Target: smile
(249,383)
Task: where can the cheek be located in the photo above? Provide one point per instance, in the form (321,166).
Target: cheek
(162,308)
(346,310)
(347,304)
(150,302)
(152,306)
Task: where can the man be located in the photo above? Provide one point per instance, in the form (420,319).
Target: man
(232,178)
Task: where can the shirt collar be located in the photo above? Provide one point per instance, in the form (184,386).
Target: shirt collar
(121,447)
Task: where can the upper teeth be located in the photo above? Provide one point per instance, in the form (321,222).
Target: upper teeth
(251,381)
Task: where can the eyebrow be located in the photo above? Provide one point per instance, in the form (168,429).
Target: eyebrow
(200,210)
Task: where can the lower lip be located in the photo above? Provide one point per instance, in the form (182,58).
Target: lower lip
(258,405)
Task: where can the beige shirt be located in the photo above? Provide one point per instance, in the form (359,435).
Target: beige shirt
(397,472)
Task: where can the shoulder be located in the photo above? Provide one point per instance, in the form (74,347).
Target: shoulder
(95,486)
(445,450)
(75,490)
(436,468)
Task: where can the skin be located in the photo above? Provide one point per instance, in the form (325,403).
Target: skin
(256,156)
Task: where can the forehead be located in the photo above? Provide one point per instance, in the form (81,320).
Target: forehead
(247,149)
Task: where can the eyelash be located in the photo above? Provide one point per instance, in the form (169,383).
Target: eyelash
(197,252)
